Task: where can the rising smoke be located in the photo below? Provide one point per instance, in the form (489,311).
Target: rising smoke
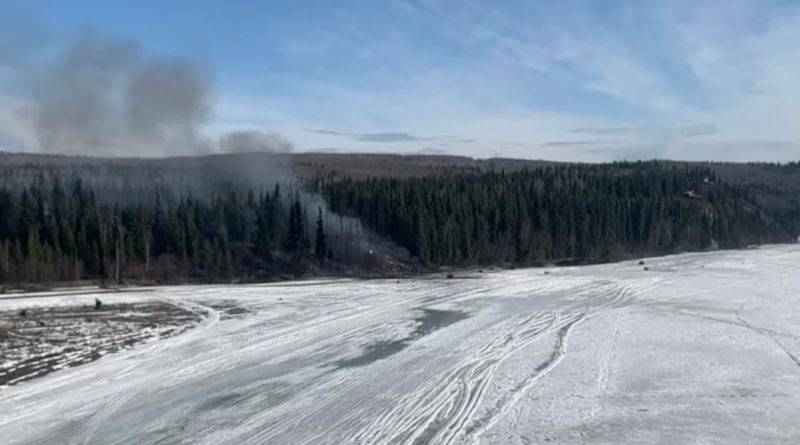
(105,96)
(100,95)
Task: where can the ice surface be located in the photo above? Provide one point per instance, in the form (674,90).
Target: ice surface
(702,348)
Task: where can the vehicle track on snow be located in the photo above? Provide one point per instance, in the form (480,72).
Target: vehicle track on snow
(435,298)
(443,411)
(482,424)
(422,415)
(773,335)
(88,430)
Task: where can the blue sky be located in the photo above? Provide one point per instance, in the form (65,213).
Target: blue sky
(567,80)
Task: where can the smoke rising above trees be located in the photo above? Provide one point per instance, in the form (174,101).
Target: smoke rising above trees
(106,96)
(101,95)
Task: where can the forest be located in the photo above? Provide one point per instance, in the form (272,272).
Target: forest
(559,214)
(61,228)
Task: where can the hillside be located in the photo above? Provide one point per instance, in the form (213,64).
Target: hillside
(262,216)
(231,166)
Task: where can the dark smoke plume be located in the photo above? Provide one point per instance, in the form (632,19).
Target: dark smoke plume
(104,96)
(98,95)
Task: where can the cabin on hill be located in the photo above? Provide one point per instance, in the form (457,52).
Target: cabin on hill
(691,194)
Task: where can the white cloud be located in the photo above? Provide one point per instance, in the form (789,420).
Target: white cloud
(517,79)
(746,57)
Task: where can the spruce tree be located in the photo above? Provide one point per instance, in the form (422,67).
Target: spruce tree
(321,245)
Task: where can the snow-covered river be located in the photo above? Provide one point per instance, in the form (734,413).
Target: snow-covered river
(701,348)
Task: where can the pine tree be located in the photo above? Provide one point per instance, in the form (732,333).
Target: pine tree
(321,245)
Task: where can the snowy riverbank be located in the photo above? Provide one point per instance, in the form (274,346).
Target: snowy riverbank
(701,348)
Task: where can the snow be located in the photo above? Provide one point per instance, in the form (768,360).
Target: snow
(49,338)
(702,348)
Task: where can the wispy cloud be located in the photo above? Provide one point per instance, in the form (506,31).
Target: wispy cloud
(432,151)
(564,80)
(685,131)
(392,137)
(374,137)
(692,62)
(584,143)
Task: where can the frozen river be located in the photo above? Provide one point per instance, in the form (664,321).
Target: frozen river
(702,348)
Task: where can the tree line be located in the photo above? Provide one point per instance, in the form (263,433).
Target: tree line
(50,232)
(54,231)
(567,213)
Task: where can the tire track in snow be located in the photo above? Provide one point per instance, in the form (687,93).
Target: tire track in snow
(769,333)
(615,296)
(431,298)
(334,410)
(119,399)
(790,267)
(438,407)
(293,333)
(510,345)
(607,361)
(457,397)
(481,425)
(96,420)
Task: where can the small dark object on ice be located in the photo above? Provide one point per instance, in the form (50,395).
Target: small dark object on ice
(641,263)
(41,323)
(97,304)
(646,268)
(23,313)
(480,270)
(449,275)
(547,272)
